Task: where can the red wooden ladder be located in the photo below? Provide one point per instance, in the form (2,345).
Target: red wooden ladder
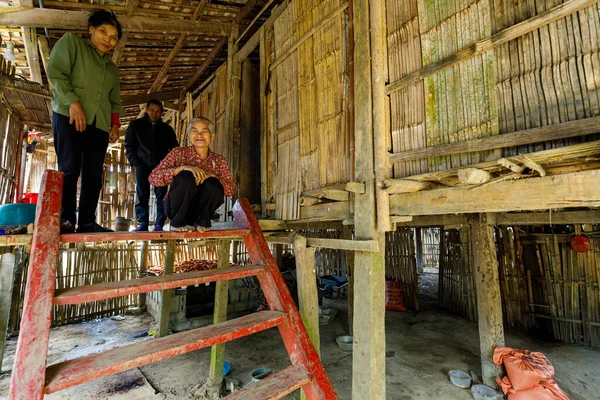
(31,379)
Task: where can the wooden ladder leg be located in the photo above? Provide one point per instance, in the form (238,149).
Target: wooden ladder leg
(293,333)
(166,295)
(214,383)
(29,371)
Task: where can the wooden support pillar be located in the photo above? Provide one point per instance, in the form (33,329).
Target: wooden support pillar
(31,52)
(308,295)
(143,268)
(368,364)
(489,303)
(217,352)
(347,235)
(233,80)
(264,132)
(419,248)
(165,298)
(7,276)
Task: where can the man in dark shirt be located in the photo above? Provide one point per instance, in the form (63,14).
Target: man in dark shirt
(147,141)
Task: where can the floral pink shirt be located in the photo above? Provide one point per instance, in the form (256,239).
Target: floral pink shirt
(162,175)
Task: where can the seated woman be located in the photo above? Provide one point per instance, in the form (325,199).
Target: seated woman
(198,177)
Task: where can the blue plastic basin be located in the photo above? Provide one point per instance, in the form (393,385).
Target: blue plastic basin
(17,214)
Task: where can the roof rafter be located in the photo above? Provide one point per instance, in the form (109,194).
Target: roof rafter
(159,81)
(61,19)
(198,11)
(215,51)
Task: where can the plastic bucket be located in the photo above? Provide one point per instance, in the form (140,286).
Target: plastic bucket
(29,198)
(122,224)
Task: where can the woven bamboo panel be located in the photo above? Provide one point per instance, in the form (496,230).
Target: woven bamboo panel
(10,131)
(456,288)
(459,101)
(407,119)
(211,104)
(547,76)
(287,178)
(401,264)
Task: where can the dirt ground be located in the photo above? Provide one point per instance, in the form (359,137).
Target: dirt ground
(421,348)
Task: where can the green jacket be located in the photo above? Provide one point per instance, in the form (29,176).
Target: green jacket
(79,73)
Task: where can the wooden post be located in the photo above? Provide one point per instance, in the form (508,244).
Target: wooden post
(217,352)
(32,54)
(143,268)
(368,365)
(165,298)
(489,303)
(308,296)
(7,275)
(419,246)
(233,86)
(264,132)
(347,235)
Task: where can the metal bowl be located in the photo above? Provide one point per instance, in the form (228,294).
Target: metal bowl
(345,342)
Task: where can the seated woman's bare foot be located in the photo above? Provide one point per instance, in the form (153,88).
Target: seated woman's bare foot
(201,228)
(179,228)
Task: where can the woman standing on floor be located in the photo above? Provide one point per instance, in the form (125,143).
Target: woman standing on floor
(198,177)
(87,104)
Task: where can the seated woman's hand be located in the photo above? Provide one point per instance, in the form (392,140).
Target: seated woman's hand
(199,174)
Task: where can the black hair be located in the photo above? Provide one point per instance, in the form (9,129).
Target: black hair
(155,102)
(101,17)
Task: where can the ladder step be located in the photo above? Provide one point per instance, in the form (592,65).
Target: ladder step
(75,372)
(275,386)
(128,236)
(101,291)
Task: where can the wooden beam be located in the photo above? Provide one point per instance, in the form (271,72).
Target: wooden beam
(233,106)
(130,6)
(336,244)
(217,352)
(489,303)
(142,271)
(119,49)
(215,51)
(504,36)
(130,100)
(44,49)
(165,298)
(199,9)
(447,221)
(546,157)
(61,19)
(564,130)
(262,10)
(160,77)
(546,218)
(308,292)
(272,224)
(355,187)
(327,211)
(368,358)
(248,48)
(31,52)
(549,192)
(247,9)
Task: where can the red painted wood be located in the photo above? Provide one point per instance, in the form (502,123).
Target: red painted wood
(74,372)
(293,333)
(275,386)
(27,380)
(109,290)
(127,236)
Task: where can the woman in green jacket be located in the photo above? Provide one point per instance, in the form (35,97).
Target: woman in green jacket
(86,104)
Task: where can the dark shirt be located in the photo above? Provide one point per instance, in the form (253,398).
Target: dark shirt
(146,144)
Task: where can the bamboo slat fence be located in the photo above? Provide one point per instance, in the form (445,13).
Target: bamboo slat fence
(11,149)
(547,289)
(401,264)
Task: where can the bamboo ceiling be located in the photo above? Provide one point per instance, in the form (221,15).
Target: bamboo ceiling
(152,61)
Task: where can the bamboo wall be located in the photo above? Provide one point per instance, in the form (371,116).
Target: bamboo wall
(308,105)
(401,264)
(542,78)
(10,135)
(547,289)
(211,104)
